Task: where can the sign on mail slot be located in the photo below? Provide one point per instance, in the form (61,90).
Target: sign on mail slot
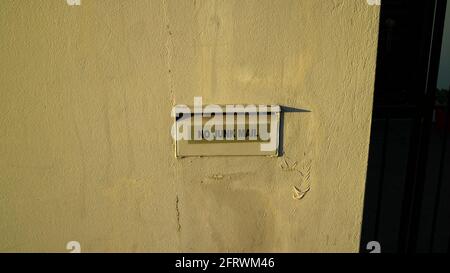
(230,130)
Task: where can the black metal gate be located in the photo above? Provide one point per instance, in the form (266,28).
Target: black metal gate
(408,182)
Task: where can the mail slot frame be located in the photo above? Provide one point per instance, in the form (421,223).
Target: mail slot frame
(237,109)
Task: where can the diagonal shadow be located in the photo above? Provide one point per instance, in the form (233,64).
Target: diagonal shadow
(285,110)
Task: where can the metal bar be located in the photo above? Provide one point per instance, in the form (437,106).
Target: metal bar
(441,175)
(381,181)
(414,205)
(410,184)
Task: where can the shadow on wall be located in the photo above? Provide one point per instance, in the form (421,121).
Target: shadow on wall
(287,109)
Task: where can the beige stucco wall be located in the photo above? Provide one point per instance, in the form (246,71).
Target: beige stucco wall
(85,147)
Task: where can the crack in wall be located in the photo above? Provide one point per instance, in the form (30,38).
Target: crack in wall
(169,49)
(177,208)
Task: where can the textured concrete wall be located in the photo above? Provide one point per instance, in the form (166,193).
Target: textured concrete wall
(85,147)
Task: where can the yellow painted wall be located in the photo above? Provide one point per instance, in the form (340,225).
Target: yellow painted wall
(85,147)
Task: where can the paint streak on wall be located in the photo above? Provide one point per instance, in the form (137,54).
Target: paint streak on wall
(85,148)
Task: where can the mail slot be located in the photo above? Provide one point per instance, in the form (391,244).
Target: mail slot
(226,130)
